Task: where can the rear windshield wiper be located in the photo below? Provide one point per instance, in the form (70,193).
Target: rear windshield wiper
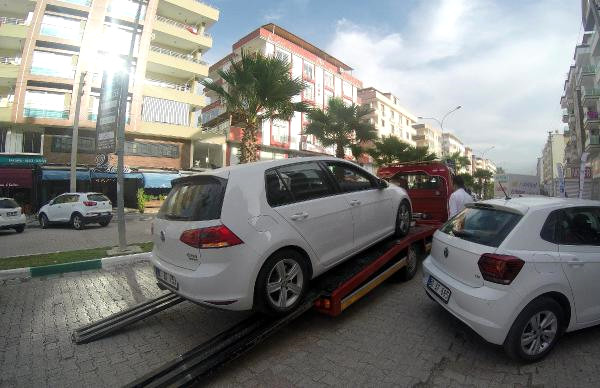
(176,218)
(462,233)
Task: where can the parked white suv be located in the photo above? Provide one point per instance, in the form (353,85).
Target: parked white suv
(77,209)
(253,235)
(520,272)
(11,216)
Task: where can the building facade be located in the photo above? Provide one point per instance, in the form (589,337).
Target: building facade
(388,116)
(430,137)
(552,155)
(452,144)
(49,46)
(325,75)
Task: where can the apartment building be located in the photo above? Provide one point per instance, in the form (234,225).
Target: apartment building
(452,144)
(428,136)
(325,75)
(388,116)
(580,103)
(48,46)
(469,155)
(553,155)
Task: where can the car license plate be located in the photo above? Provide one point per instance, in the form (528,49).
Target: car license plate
(438,288)
(166,278)
(11,214)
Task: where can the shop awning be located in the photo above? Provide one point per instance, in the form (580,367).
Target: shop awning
(158,180)
(64,175)
(16,177)
(113,175)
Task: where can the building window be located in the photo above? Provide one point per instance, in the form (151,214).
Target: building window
(393,129)
(159,110)
(282,55)
(62,144)
(308,71)
(328,80)
(309,92)
(62,27)
(383,109)
(328,96)
(46,104)
(280,132)
(14,141)
(53,64)
(382,123)
(347,89)
(160,150)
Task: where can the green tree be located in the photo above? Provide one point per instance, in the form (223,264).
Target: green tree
(421,154)
(483,178)
(343,126)
(257,88)
(460,161)
(391,150)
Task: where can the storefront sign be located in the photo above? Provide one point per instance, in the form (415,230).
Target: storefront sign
(16,178)
(108,111)
(103,165)
(22,160)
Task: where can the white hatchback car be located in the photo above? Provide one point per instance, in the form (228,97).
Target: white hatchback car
(520,272)
(253,235)
(77,209)
(11,216)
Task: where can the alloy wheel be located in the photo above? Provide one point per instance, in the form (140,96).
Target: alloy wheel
(284,283)
(77,222)
(404,217)
(539,333)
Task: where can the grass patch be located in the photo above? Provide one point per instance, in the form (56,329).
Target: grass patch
(60,257)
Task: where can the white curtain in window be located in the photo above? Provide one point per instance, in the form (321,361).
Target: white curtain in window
(159,110)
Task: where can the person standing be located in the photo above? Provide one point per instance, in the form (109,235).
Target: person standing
(459,198)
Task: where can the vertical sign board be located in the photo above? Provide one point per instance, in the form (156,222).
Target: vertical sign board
(582,171)
(108,111)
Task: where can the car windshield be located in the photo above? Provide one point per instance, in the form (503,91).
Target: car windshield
(199,199)
(486,226)
(8,203)
(97,197)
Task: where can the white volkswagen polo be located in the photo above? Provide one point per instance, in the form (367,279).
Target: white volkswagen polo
(520,272)
(253,235)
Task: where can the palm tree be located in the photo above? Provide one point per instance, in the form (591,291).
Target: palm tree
(341,126)
(422,154)
(482,176)
(460,161)
(257,88)
(391,150)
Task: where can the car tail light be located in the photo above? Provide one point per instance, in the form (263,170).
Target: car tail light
(501,269)
(212,237)
(90,203)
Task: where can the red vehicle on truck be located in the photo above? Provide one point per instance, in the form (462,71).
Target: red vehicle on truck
(429,186)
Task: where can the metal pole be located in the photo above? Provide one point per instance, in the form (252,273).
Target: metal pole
(75,136)
(121,137)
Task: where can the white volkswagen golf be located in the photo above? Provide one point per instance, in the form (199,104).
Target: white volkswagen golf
(253,235)
(520,272)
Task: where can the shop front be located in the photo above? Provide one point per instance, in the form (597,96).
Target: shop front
(18,179)
(56,181)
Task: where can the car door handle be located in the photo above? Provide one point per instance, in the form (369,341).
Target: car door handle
(575,263)
(299,216)
(354,202)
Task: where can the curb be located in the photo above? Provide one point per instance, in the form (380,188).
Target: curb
(104,263)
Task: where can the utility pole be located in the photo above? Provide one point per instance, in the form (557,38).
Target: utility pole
(75,136)
(121,136)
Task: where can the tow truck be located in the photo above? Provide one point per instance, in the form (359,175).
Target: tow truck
(428,185)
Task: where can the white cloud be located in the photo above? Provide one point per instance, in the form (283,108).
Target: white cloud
(505,64)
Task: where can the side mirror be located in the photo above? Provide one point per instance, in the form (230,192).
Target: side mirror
(381,184)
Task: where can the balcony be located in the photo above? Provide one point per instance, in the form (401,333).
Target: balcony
(197,11)
(585,70)
(47,113)
(9,69)
(565,116)
(173,33)
(12,32)
(175,64)
(172,91)
(591,119)
(592,142)
(590,93)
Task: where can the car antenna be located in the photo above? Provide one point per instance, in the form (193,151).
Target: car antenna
(506,197)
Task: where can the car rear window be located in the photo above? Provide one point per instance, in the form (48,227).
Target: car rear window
(194,199)
(97,197)
(417,181)
(486,226)
(8,203)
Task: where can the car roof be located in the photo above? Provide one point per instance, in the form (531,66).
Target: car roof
(524,204)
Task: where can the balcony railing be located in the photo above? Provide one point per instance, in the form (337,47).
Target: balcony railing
(186,57)
(183,26)
(592,140)
(45,113)
(171,85)
(17,21)
(10,61)
(62,73)
(85,3)
(591,92)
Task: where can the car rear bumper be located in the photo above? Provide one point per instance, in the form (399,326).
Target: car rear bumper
(227,285)
(92,218)
(488,311)
(13,222)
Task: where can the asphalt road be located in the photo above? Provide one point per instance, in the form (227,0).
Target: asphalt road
(64,238)
(394,337)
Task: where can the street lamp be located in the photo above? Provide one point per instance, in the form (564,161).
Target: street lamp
(441,122)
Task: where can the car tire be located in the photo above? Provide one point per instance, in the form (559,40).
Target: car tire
(539,325)
(104,223)
(77,221)
(412,265)
(43,219)
(403,219)
(274,297)
(20,229)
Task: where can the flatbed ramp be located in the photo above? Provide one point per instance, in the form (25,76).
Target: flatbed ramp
(330,293)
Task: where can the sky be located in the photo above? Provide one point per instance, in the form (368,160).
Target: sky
(503,61)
